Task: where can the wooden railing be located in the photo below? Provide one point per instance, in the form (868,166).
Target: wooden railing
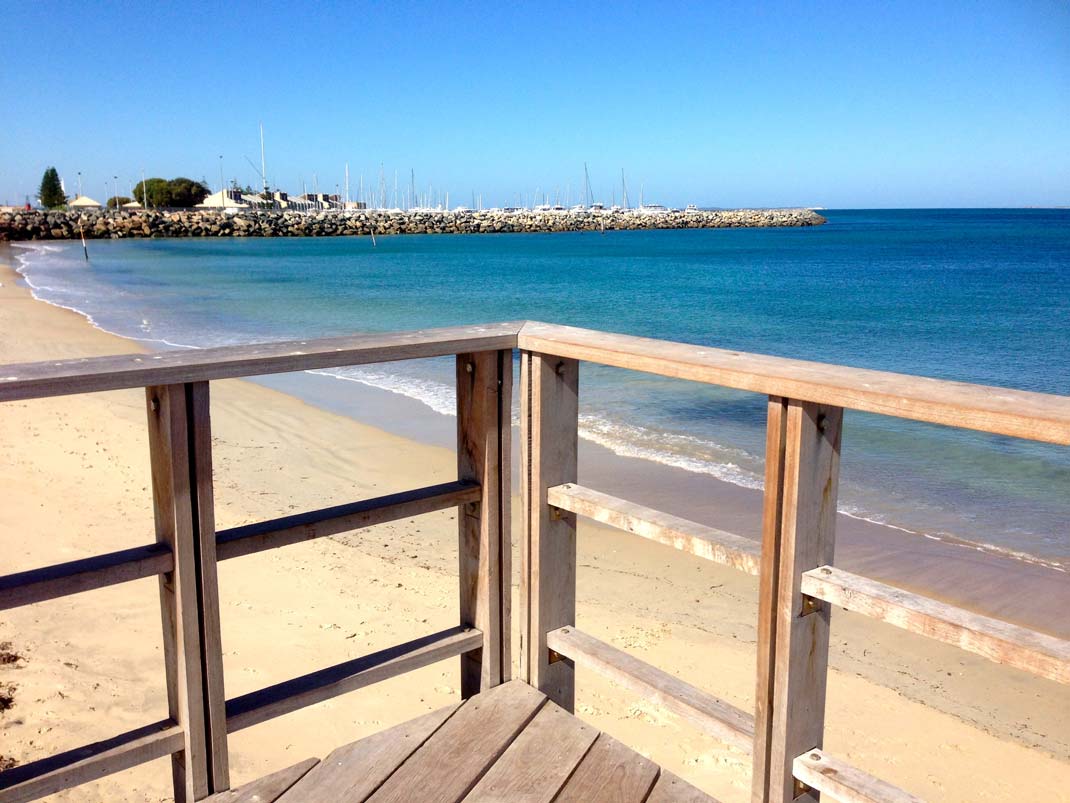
(798,582)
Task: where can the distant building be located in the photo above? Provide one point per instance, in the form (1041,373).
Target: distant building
(84,202)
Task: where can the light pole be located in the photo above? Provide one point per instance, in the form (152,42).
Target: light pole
(79,183)
(115,179)
(222,189)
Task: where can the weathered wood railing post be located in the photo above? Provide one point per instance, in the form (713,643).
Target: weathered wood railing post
(548,419)
(802,477)
(484,430)
(180,452)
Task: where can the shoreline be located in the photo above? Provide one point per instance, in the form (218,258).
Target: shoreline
(688,609)
(1004,584)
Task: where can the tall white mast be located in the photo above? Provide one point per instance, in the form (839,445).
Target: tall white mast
(263,167)
(347,185)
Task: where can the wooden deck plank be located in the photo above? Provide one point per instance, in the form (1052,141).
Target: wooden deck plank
(714,716)
(1018,413)
(999,641)
(844,783)
(673,789)
(457,755)
(353,772)
(697,539)
(539,762)
(268,788)
(88,375)
(610,771)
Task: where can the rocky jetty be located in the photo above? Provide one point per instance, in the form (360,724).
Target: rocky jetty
(101,224)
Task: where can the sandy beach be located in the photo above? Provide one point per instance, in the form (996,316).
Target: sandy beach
(943,724)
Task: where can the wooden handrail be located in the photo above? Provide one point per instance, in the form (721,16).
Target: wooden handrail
(843,782)
(290,695)
(714,716)
(89,762)
(252,538)
(697,539)
(66,377)
(996,640)
(85,574)
(1018,413)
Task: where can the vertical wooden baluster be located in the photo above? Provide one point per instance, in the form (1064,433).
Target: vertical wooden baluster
(549,419)
(180,455)
(200,429)
(484,420)
(776,421)
(807,540)
(169,455)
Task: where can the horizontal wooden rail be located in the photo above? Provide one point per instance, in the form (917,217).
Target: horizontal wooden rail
(844,783)
(1021,414)
(687,536)
(64,377)
(250,538)
(999,641)
(290,695)
(83,764)
(85,574)
(714,716)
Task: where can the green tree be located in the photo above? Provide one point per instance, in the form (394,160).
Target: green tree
(186,192)
(116,201)
(153,192)
(51,192)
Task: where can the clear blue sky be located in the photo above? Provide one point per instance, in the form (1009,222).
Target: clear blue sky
(854,104)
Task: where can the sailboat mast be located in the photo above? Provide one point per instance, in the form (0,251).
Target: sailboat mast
(347,186)
(263,166)
(623,188)
(587,182)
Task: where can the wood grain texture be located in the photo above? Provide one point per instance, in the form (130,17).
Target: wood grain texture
(86,574)
(452,761)
(202,497)
(88,763)
(549,420)
(88,375)
(290,695)
(672,789)
(687,536)
(353,772)
(266,789)
(1021,414)
(711,714)
(251,538)
(483,422)
(844,783)
(800,665)
(176,527)
(610,772)
(999,641)
(538,762)
(768,587)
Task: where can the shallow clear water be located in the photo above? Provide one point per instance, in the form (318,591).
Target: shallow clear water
(980,296)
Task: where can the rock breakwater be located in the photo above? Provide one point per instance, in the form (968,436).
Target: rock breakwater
(100,224)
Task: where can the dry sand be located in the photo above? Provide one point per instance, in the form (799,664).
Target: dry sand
(74,481)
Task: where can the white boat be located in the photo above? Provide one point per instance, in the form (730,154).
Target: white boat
(691,208)
(653,209)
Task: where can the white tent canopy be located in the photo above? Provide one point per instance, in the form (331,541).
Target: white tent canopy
(84,202)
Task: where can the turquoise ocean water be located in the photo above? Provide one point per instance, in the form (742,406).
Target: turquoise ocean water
(972,295)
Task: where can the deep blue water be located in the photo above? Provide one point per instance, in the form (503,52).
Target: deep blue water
(973,295)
